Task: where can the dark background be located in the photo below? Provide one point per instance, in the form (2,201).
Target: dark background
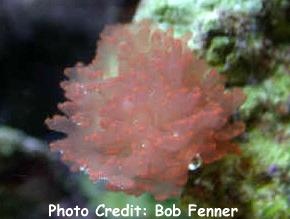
(38,39)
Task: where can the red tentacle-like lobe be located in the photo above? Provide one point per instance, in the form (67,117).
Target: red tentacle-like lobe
(142,110)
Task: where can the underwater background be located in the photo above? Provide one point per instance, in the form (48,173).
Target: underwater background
(248,41)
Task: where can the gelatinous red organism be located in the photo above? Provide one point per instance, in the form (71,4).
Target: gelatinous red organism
(142,110)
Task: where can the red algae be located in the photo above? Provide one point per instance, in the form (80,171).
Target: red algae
(142,110)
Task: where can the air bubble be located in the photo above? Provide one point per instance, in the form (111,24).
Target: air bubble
(175,134)
(196,163)
(84,169)
(79,123)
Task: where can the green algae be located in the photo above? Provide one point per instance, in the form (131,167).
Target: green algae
(242,39)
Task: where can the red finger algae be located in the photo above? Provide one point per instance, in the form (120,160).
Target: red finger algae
(142,110)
